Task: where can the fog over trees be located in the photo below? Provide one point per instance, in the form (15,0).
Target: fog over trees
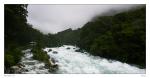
(56,18)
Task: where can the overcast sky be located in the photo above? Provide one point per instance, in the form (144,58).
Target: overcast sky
(55,18)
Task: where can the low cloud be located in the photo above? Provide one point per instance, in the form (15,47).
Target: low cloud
(55,18)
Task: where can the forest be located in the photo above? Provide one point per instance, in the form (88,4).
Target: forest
(121,36)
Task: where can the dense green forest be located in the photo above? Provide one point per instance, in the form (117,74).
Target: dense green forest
(68,37)
(121,36)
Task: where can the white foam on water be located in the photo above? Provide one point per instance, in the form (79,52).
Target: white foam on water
(70,61)
(32,66)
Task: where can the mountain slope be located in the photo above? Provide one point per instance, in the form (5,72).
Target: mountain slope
(121,36)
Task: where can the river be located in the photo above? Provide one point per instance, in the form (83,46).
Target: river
(72,62)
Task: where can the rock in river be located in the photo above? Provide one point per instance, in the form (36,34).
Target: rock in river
(55,52)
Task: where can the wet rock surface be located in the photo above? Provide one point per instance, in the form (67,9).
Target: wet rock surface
(55,52)
(68,48)
(49,50)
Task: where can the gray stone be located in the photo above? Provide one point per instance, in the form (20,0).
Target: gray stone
(68,48)
(29,62)
(49,50)
(55,52)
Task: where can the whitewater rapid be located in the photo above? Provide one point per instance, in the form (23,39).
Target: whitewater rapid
(31,66)
(72,62)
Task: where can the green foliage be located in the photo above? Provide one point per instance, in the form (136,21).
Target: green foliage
(68,36)
(12,56)
(50,40)
(39,54)
(15,25)
(121,37)
(9,60)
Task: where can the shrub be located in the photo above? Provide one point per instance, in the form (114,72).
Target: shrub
(39,54)
(9,60)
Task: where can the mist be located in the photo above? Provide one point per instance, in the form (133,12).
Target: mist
(56,18)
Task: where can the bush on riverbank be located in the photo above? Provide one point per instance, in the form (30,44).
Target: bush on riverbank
(12,56)
(39,54)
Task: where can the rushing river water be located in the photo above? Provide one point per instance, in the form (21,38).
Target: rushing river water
(70,61)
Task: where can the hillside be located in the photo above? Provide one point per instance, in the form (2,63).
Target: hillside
(120,37)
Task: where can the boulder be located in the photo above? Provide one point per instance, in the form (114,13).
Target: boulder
(15,69)
(47,66)
(20,65)
(79,50)
(25,70)
(55,52)
(52,66)
(41,67)
(49,50)
(68,48)
(85,53)
(53,61)
(29,62)
(55,66)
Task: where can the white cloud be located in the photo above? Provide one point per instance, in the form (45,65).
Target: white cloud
(55,18)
